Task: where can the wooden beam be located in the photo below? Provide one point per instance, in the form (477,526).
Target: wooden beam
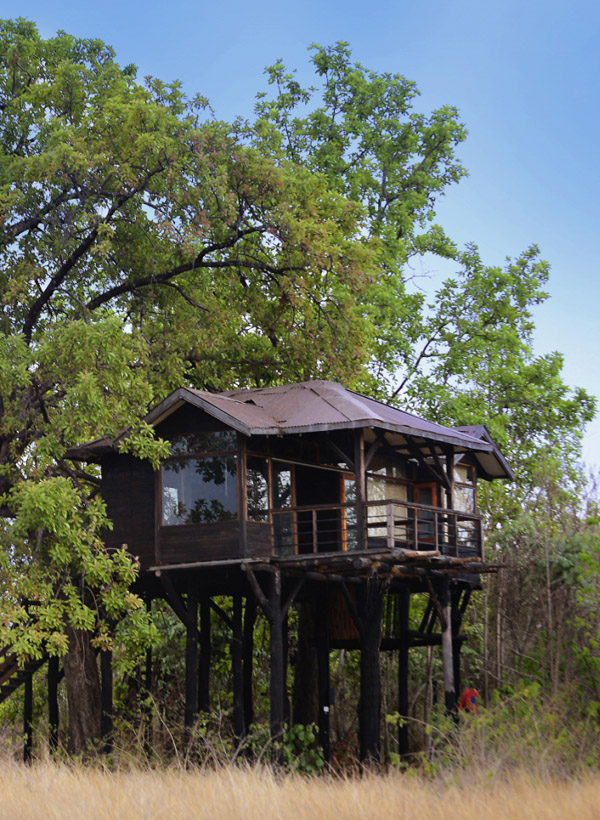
(323,674)
(106,680)
(256,589)
(361,488)
(369,707)
(248,653)
(53,711)
(447,656)
(292,596)
(204,657)
(403,652)
(440,467)
(191,657)
(277,668)
(340,453)
(28,717)
(221,613)
(237,673)
(354,613)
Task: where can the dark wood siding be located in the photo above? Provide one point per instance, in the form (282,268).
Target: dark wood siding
(128,491)
(259,543)
(202,542)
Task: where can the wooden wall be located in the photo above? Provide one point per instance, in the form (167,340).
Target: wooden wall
(128,491)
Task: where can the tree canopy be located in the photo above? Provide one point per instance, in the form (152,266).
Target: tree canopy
(145,245)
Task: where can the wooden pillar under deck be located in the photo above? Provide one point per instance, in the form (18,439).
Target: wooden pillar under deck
(28,717)
(447,654)
(191,656)
(324,682)
(237,670)
(361,490)
(404,610)
(53,713)
(247,661)
(204,658)
(277,693)
(106,720)
(369,709)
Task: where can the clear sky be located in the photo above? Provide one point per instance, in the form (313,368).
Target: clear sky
(524,76)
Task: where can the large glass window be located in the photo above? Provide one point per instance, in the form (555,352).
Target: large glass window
(200,489)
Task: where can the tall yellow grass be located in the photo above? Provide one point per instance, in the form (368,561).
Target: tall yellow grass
(49,792)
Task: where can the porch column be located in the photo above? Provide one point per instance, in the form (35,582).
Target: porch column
(361,489)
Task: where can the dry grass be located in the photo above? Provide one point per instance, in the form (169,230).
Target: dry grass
(46,792)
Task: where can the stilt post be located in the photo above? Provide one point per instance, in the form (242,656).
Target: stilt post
(53,714)
(404,609)
(204,659)
(191,657)
(447,655)
(371,612)
(237,670)
(106,680)
(247,660)
(28,717)
(324,682)
(277,694)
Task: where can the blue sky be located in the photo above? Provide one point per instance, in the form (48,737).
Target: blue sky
(524,76)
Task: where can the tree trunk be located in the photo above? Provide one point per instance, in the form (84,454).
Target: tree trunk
(83,692)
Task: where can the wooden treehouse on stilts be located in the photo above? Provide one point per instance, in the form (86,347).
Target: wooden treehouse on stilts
(307,495)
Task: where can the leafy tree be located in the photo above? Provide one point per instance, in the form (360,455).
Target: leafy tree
(144,245)
(140,244)
(465,354)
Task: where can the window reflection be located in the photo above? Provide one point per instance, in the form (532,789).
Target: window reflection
(199,490)
(257,488)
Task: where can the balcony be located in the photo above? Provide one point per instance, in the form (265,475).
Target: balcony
(386,524)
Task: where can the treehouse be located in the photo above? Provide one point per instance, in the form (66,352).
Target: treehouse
(307,495)
(303,470)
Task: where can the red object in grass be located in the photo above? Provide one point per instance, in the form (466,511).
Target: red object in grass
(469,700)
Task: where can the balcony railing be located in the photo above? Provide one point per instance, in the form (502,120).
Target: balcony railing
(386,525)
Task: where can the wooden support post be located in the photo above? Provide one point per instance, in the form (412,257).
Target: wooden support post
(28,717)
(447,661)
(361,489)
(404,610)
(247,659)
(237,670)
(148,684)
(285,644)
(324,682)
(456,619)
(191,657)
(106,720)
(371,612)
(204,659)
(53,714)
(277,711)
(452,531)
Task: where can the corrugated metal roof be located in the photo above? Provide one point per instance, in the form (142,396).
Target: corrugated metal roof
(315,406)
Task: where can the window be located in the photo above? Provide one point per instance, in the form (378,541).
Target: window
(386,481)
(257,488)
(464,488)
(200,488)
